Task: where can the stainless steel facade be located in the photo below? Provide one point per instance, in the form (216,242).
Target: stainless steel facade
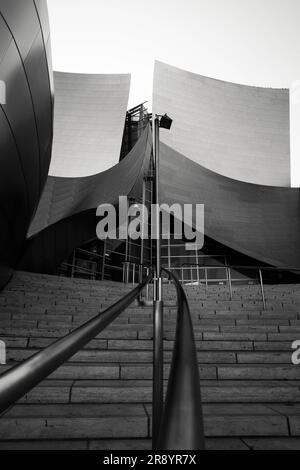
(26,121)
(66,217)
(89,118)
(238,131)
(261,222)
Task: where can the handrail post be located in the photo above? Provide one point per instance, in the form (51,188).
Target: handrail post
(123,273)
(198,276)
(158,371)
(262,289)
(133,274)
(147,287)
(230,283)
(140,273)
(73,264)
(206,280)
(127,272)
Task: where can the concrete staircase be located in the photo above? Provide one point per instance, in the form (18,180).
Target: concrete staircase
(101,398)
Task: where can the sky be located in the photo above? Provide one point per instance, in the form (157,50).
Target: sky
(252,42)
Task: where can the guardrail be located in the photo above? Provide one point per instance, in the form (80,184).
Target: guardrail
(22,378)
(228,279)
(181,425)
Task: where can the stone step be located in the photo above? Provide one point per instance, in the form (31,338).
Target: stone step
(147,345)
(101,398)
(145,332)
(136,315)
(91,371)
(272,326)
(145,356)
(17,355)
(114,444)
(220,372)
(118,421)
(140,391)
(212,444)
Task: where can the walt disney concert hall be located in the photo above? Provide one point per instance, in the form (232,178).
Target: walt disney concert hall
(139,344)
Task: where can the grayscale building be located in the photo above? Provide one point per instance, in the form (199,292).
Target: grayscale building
(68,143)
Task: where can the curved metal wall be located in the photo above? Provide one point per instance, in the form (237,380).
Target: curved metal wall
(26,121)
(66,217)
(89,119)
(241,132)
(262,222)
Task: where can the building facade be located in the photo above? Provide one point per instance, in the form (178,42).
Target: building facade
(26,122)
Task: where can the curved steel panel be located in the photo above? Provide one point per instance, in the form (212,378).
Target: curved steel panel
(66,217)
(64,197)
(239,131)
(25,121)
(89,118)
(262,222)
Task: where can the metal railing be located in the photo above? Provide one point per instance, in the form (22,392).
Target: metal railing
(228,279)
(181,424)
(134,272)
(178,425)
(22,378)
(81,270)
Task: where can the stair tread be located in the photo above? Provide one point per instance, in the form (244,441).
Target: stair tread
(101,398)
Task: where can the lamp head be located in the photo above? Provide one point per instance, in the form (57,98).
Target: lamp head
(166,122)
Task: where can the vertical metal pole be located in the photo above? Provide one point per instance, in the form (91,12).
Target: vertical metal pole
(206,280)
(230,282)
(99,263)
(143,224)
(73,264)
(262,288)
(143,234)
(147,287)
(158,218)
(152,202)
(158,360)
(169,255)
(158,372)
(103,260)
(197,264)
(127,240)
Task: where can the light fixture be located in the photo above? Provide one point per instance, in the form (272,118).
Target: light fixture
(165,122)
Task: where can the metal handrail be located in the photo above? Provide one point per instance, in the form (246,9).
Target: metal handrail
(180,425)
(253,268)
(230,280)
(22,378)
(182,422)
(79,269)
